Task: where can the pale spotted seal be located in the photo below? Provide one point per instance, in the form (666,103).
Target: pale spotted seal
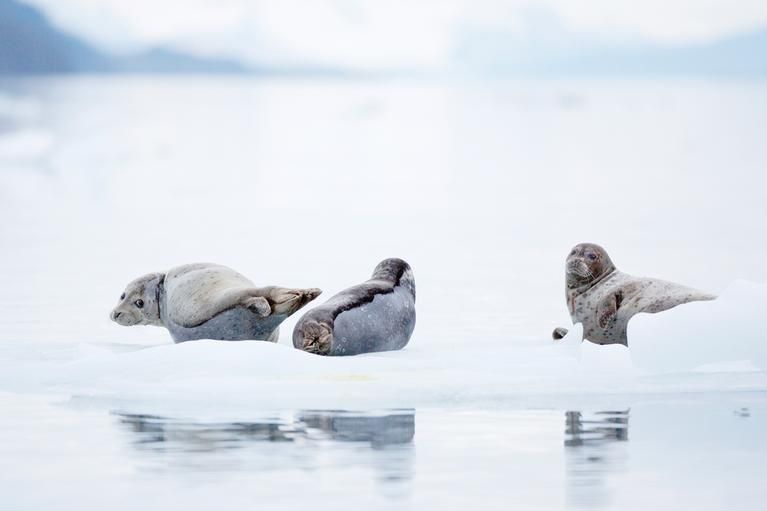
(208,301)
(604,299)
(377,315)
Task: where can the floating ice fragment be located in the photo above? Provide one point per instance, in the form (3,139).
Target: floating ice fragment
(729,330)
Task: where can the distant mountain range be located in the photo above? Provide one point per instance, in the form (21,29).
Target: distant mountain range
(29,44)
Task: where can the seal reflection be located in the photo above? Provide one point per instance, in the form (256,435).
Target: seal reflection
(306,440)
(595,448)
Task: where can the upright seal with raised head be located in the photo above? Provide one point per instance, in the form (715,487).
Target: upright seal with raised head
(604,299)
(377,315)
(208,301)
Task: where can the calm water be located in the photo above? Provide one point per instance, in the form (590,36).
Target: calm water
(483,188)
(708,452)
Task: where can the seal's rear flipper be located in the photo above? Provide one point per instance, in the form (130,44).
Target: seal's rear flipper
(314,337)
(287,301)
(559,333)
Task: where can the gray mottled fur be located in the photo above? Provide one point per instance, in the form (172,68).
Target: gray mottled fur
(377,315)
(208,301)
(604,299)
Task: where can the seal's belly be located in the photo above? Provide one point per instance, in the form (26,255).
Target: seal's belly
(589,305)
(384,324)
(237,324)
(615,331)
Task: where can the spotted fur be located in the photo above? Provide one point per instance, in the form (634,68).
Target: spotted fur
(208,301)
(604,299)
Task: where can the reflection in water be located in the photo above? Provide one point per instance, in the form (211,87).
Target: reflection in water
(306,440)
(595,446)
(391,429)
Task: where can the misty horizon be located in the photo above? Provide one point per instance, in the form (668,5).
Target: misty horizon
(538,44)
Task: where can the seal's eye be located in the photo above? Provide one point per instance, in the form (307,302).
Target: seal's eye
(139,303)
(122,296)
(592,256)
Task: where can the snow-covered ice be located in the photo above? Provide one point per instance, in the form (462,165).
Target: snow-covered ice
(706,346)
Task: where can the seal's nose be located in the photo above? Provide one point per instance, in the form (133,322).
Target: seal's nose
(115,315)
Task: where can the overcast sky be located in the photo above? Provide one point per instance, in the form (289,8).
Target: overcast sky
(385,33)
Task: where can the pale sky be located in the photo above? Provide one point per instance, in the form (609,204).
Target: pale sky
(372,34)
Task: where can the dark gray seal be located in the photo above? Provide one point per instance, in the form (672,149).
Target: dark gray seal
(604,299)
(208,301)
(377,315)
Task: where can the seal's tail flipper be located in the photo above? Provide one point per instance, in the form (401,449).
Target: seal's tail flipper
(314,337)
(287,301)
(559,333)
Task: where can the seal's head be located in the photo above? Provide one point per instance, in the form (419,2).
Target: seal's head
(140,303)
(396,271)
(586,264)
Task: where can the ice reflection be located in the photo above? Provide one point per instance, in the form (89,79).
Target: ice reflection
(304,440)
(595,448)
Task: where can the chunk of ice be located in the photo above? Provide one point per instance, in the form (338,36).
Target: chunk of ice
(721,332)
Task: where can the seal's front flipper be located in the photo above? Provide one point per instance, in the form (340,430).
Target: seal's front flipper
(287,301)
(607,310)
(193,313)
(559,333)
(258,305)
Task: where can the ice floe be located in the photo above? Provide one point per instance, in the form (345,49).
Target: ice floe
(708,346)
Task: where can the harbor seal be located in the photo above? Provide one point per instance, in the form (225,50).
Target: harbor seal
(208,301)
(377,315)
(604,299)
